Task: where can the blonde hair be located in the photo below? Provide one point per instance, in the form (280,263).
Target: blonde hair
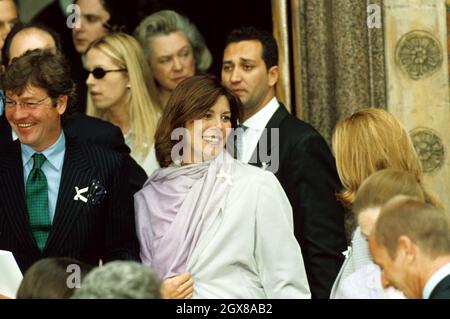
(144,107)
(367,141)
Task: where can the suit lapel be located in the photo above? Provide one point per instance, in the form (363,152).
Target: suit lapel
(12,196)
(75,172)
(5,130)
(265,145)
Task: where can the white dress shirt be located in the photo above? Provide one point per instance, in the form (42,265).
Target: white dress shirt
(434,280)
(255,127)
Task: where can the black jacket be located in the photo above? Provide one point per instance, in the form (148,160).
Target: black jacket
(87,231)
(442,290)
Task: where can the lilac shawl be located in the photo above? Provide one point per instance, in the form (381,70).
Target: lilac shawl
(176,207)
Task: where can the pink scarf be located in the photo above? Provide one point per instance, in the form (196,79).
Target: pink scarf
(176,207)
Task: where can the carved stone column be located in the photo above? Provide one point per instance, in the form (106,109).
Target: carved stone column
(417,82)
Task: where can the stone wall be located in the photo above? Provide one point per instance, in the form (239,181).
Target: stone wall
(417,82)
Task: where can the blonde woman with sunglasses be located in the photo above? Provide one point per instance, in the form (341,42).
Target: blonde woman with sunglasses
(122,91)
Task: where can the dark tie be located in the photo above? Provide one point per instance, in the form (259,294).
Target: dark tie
(240,143)
(37,201)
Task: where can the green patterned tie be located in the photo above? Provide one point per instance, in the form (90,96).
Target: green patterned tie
(37,201)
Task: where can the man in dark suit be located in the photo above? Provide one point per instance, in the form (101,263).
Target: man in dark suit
(83,127)
(58,196)
(411,243)
(298,154)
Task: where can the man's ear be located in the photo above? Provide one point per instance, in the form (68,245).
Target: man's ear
(61,104)
(407,248)
(273,75)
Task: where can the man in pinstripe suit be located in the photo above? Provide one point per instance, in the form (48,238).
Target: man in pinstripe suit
(90,206)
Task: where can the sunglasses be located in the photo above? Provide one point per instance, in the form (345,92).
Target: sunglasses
(99,73)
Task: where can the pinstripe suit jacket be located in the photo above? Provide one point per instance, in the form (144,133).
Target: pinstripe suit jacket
(84,231)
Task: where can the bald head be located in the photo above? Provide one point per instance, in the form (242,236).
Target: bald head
(29,39)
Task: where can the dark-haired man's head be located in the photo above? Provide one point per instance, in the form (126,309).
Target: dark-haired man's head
(101,17)
(250,67)
(37,88)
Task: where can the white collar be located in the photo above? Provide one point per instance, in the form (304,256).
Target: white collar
(434,280)
(260,119)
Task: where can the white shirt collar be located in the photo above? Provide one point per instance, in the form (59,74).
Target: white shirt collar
(259,120)
(434,280)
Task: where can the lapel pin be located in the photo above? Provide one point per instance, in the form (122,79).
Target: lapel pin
(79,196)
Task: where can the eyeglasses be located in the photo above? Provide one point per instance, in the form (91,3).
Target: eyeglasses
(99,73)
(31,104)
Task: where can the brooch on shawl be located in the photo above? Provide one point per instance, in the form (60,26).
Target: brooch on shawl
(226,177)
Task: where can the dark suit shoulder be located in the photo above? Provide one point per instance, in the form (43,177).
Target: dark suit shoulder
(298,129)
(442,290)
(95,130)
(9,154)
(5,131)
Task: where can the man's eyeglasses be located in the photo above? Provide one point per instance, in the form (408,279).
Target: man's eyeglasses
(30,104)
(99,73)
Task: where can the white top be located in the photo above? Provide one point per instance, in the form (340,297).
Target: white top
(255,127)
(149,163)
(434,280)
(253,257)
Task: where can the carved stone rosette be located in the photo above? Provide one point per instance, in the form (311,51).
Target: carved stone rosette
(429,147)
(418,54)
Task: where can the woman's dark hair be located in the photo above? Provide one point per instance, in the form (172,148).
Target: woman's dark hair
(48,278)
(190,100)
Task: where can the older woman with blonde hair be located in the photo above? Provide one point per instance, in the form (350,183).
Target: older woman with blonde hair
(368,141)
(174,48)
(122,91)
